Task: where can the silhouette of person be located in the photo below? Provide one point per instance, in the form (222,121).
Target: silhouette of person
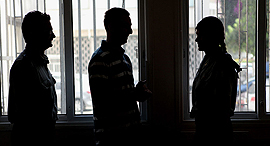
(32,107)
(214,87)
(114,97)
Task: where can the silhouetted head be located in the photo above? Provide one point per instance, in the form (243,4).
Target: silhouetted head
(118,25)
(37,29)
(210,34)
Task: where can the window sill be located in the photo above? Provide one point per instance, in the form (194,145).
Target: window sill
(77,120)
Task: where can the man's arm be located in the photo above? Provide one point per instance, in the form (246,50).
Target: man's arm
(98,81)
(23,92)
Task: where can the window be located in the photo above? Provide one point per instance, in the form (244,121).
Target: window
(242,32)
(74,96)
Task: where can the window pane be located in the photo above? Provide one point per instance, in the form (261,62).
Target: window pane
(116,3)
(11,44)
(239,19)
(88,34)
(56,54)
(83,48)
(267,59)
(131,47)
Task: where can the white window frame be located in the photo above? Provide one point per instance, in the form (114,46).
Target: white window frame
(261,29)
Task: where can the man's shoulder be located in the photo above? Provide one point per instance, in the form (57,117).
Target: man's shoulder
(98,59)
(21,62)
(22,67)
(126,57)
(100,55)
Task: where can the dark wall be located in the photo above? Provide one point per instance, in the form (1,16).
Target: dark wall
(164,60)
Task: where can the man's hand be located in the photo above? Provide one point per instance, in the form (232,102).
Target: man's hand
(143,92)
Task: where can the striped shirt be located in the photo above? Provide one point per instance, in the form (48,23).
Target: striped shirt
(112,89)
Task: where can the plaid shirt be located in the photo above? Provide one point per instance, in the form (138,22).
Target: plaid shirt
(112,89)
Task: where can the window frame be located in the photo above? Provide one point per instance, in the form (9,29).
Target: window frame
(260,90)
(67,42)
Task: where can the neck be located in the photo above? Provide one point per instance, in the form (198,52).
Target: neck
(36,49)
(113,43)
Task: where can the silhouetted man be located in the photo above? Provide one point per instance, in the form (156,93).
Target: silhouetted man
(114,96)
(32,105)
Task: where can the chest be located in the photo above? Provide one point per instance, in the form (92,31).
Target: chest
(44,76)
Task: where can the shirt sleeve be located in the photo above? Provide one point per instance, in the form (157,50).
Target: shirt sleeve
(23,90)
(98,81)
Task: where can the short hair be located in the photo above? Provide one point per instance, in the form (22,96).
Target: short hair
(33,23)
(113,15)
